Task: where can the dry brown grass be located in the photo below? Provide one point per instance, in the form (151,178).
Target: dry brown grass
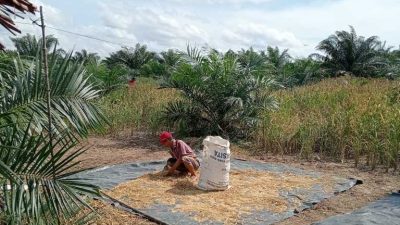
(342,118)
(138,108)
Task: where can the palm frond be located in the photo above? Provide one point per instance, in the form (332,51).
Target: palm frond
(24,97)
(31,192)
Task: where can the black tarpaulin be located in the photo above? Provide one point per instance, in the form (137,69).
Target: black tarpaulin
(110,176)
(385,211)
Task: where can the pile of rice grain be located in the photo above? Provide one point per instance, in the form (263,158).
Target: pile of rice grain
(251,190)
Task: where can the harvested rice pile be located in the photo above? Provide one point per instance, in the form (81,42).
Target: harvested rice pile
(251,190)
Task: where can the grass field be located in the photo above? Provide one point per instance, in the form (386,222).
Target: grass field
(137,108)
(337,119)
(342,118)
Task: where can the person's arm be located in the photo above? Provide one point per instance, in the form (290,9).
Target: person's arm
(173,168)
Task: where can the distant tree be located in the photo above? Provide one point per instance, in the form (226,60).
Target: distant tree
(163,64)
(107,78)
(86,57)
(131,58)
(251,60)
(170,57)
(392,70)
(348,52)
(277,58)
(29,46)
(300,72)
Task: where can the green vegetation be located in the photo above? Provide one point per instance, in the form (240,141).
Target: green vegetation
(220,97)
(283,105)
(138,108)
(34,169)
(131,58)
(348,52)
(215,93)
(29,47)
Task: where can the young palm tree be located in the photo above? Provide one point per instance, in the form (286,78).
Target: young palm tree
(36,186)
(24,96)
(107,78)
(221,97)
(346,51)
(35,175)
(300,72)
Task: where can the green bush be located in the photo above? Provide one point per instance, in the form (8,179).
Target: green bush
(220,97)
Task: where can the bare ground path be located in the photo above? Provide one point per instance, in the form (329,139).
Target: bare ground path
(144,147)
(124,148)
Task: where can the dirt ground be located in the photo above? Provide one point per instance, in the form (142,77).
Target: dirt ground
(144,147)
(124,148)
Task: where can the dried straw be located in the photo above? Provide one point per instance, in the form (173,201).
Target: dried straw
(251,190)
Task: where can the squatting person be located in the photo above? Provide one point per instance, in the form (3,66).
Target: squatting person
(183,160)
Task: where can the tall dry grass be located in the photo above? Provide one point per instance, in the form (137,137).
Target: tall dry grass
(339,119)
(137,108)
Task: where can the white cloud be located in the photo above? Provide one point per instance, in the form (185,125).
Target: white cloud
(259,36)
(163,28)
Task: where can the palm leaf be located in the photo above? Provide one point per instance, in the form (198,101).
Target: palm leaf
(30,191)
(24,96)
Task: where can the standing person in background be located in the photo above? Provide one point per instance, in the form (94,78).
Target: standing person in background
(132,82)
(183,160)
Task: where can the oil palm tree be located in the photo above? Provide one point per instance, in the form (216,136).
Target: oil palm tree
(220,96)
(24,96)
(300,72)
(276,58)
(163,64)
(86,57)
(170,57)
(132,58)
(30,46)
(346,51)
(35,176)
(250,59)
(35,172)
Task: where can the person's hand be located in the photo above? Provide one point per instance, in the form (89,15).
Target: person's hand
(171,172)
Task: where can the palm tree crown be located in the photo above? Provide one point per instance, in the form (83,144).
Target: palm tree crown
(346,51)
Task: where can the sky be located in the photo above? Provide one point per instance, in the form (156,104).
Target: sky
(298,25)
